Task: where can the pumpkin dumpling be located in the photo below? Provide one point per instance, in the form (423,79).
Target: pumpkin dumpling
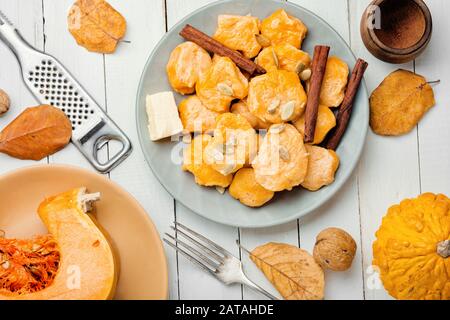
(194,162)
(322,166)
(282,28)
(239,33)
(282,159)
(285,57)
(195,117)
(325,122)
(249,192)
(412,249)
(334,82)
(187,63)
(86,267)
(223,83)
(277,96)
(234,144)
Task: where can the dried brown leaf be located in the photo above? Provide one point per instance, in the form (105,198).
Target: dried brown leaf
(36,133)
(293,271)
(399,102)
(96,25)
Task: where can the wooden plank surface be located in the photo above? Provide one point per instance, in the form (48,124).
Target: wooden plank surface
(27,15)
(390,169)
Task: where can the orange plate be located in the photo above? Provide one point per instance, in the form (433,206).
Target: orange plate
(143,269)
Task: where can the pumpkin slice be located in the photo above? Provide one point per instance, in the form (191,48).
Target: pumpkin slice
(86,269)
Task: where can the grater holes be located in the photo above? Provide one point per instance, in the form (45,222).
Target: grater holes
(58,91)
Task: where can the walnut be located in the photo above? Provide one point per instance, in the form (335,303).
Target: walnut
(4,102)
(334,249)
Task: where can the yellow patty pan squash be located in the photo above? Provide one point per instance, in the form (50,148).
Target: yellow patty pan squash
(412,249)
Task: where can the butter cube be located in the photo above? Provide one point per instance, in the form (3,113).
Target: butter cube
(163,118)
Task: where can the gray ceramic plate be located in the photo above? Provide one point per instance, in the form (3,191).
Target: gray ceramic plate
(286,206)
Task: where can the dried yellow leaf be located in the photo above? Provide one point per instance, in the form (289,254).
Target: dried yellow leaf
(96,25)
(293,271)
(399,102)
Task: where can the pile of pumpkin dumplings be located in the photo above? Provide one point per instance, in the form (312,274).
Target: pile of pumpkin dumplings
(248,131)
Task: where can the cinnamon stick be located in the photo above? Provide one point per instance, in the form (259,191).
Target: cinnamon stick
(318,67)
(345,110)
(211,45)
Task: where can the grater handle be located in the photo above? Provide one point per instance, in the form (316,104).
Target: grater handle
(92,142)
(14,40)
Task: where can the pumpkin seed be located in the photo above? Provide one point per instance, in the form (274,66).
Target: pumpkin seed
(305,75)
(273,106)
(229,149)
(44,252)
(287,110)
(227,169)
(284,153)
(299,67)
(221,190)
(232,140)
(216,152)
(224,89)
(6,264)
(35,271)
(262,40)
(218,156)
(277,128)
(275,58)
(36,247)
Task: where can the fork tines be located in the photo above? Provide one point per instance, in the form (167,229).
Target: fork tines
(197,248)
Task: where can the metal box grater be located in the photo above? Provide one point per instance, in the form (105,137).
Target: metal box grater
(51,83)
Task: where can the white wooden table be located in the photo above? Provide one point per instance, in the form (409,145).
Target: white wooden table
(390,169)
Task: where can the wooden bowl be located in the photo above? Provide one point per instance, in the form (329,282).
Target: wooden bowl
(396,31)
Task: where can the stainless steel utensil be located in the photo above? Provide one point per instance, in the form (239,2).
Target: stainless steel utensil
(51,83)
(211,257)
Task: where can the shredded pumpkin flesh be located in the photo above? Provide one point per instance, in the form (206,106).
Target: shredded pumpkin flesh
(28,266)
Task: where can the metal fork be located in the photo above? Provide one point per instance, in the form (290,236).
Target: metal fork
(211,257)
